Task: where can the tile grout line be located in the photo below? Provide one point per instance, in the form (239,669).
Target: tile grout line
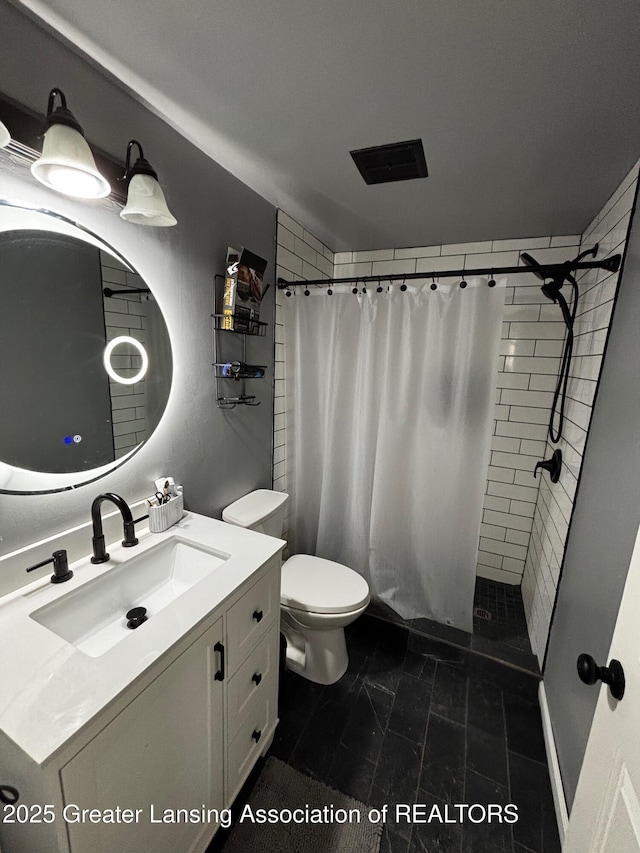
(506,749)
(424,735)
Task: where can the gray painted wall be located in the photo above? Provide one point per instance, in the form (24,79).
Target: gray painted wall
(217,455)
(603,529)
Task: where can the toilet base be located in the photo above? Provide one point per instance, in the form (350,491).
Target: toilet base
(318,656)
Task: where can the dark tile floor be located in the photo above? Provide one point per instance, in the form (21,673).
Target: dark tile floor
(499,616)
(417,720)
(499,625)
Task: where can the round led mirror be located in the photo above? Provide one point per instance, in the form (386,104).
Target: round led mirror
(86,363)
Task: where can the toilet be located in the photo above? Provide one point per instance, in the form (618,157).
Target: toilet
(318,598)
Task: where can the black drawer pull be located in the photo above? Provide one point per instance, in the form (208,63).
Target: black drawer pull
(256,734)
(257,677)
(219,676)
(257,615)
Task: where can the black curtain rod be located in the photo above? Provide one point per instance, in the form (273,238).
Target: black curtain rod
(542,271)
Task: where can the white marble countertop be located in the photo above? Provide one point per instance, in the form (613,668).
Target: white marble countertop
(50,689)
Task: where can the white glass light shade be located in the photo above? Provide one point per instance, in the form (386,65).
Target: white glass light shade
(67,165)
(5,136)
(146,204)
(108,366)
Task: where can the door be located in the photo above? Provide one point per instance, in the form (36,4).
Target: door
(606,811)
(163,753)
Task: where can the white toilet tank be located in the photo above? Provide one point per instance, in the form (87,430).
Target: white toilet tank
(262,510)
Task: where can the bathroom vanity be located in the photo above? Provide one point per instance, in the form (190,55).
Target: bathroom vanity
(121,739)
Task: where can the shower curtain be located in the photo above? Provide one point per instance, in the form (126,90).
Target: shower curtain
(393,397)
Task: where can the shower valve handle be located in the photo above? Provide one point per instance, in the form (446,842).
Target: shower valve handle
(552,465)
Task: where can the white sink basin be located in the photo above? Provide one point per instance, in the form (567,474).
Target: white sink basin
(93,618)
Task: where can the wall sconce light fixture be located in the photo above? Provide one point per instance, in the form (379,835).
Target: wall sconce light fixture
(146,204)
(5,136)
(67,164)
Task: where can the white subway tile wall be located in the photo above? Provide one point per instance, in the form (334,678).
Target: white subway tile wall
(125,315)
(597,290)
(299,256)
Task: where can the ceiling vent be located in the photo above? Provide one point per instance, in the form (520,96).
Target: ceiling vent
(400,161)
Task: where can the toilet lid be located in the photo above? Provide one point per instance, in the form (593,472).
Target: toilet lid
(321,586)
(254,508)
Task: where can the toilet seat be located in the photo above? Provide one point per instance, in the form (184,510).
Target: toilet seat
(316,585)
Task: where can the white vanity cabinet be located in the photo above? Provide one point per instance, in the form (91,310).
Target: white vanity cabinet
(184,739)
(164,751)
(252,692)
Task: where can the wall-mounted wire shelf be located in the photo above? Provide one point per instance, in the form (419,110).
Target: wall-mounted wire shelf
(232,402)
(238,370)
(232,373)
(239,325)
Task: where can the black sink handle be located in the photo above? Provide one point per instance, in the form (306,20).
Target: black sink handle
(61,570)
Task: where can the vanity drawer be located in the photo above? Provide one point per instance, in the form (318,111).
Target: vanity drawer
(253,681)
(251,738)
(249,619)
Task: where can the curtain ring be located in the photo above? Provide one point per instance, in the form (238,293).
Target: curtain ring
(463,283)
(433,284)
(403,286)
(492,281)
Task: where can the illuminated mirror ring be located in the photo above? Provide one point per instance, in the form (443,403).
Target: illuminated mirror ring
(125,380)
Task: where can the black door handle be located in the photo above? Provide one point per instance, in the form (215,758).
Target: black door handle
(257,677)
(256,734)
(257,615)
(613,675)
(219,676)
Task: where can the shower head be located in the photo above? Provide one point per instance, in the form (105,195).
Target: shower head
(551,289)
(533,265)
(552,292)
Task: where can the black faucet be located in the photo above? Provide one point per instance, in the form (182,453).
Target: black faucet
(99,553)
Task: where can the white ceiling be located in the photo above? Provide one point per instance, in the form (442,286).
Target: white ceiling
(528,109)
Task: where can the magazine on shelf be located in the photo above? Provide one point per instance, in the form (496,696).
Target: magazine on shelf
(243,290)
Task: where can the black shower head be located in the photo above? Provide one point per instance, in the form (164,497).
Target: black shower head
(551,289)
(533,264)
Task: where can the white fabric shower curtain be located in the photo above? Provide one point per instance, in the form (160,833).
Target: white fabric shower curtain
(393,397)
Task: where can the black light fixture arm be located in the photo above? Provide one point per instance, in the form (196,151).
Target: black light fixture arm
(61,115)
(52,98)
(140,167)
